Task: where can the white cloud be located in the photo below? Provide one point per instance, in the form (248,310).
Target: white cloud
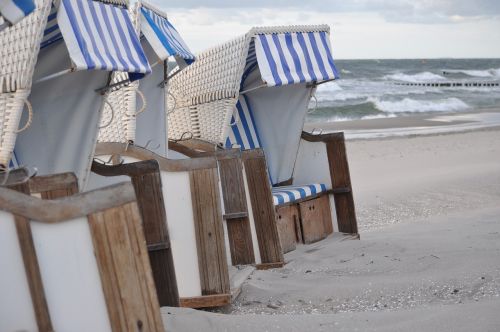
(402,31)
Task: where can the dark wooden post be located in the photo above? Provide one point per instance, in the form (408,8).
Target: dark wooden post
(341,179)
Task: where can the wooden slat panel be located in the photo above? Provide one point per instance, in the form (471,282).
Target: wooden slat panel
(287,221)
(207,301)
(263,208)
(315,214)
(31,266)
(240,241)
(341,178)
(54,186)
(233,193)
(145,176)
(124,268)
(148,188)
(209,232)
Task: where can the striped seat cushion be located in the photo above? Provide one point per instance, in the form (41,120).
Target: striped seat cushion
(287,194)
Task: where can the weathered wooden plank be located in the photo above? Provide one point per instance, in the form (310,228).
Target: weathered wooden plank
(55,211)
(341,178)
(287,222)
(104,257)
(169,165)
(315,215)
(148,188)
(262,205)
(267,266)
(240,241)
(235,215)
(124,268)
(209,232)
(233,193)
(145,176)
(54,186)
(31,266)
(207,301)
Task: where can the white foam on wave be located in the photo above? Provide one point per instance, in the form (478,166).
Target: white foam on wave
(366,117)
(408,105)
(489,73)
(329,87)
(414,78)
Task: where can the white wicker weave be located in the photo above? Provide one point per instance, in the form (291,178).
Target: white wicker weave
(19,47)
(118,120)
(211,85)
(120,117)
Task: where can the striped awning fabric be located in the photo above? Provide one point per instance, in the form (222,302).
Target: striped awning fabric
(291,58)
(12,11)
(243,131)
(100,36)
(51,32)
(282,195)
(164,38)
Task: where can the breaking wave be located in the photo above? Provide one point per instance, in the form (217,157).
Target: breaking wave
(408,105)
(414,78)
(489,73)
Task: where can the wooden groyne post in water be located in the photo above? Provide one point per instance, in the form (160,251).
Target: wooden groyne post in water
(450,84)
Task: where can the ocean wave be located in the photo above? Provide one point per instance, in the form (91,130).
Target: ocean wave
(414,78)
(362,95)
(475,73)
(408,105)
(329,87)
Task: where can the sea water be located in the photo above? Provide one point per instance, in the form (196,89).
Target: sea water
(369,89)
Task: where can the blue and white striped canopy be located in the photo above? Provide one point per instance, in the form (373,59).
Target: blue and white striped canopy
(52,32)
(164,38)
(12,11)
(243,131)
(101,37)
(290,58)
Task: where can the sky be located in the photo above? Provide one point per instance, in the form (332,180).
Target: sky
(360,29)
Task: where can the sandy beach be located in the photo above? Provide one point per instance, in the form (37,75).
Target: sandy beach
(429,256)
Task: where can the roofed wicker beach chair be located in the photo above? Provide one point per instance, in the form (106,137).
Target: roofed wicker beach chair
(76,58)
(189,252)
(115,286)
(75,264)
(253,93)
(13,11)
(20,36)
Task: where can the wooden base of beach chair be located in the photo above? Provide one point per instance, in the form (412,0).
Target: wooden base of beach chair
(203,181)
(315,219)
(206,301)
(237,214)
(114,250)
(307,221)
(289,228)
(145,176)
